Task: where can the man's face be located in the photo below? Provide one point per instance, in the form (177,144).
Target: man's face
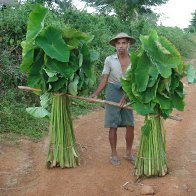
(122,45)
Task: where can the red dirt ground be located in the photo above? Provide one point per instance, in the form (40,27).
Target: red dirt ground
(23,171)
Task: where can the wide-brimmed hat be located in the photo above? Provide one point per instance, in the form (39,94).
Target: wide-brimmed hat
(122,35)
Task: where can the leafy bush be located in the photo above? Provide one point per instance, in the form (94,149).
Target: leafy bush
(179,38)
(14,118)
(13,22)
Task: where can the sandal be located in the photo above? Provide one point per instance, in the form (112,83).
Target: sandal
(130,158)
(115,160)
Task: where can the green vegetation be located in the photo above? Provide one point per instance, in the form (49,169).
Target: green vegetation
(57,60)
(13,25)
(14,118)
(153,84)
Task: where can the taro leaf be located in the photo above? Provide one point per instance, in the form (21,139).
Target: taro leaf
(167,82)
(161,52)
(35,77)
(80,59)
(38,112)
(52,75)
(87,65)
(35,81)
(71,34)
(73,86)
(178,102)
(73,43)
(176,58)
(190,73)
(53,79)
(65,69)
(131,68)
(150,93)
(153,72)
(81,79)
(52,43)
(45,100)
(28,54)
(144,109)
(36,22)
(174,82)
(164,102)
(142,73)
(127,87)
(56,86)
(165,113)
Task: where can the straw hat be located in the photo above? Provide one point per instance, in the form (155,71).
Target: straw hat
(121,35)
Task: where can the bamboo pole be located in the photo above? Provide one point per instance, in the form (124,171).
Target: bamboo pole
(93,100)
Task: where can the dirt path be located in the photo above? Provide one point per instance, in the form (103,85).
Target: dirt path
(23,171)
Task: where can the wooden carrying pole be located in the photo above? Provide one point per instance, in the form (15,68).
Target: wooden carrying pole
(92,100)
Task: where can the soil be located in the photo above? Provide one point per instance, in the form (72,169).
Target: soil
(23,170)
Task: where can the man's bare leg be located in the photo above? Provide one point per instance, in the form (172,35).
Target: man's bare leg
(129,140)
(113,142)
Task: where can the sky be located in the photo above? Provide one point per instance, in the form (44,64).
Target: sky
(174,12)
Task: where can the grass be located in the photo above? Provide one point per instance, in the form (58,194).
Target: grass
(193,48)
(15,121)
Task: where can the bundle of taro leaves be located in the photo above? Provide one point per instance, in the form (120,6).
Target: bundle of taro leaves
(153,84)
(58,61)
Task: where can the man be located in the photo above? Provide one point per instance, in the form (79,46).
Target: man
(114,68)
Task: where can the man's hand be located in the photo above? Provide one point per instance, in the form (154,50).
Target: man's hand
(94,95)
(123,101)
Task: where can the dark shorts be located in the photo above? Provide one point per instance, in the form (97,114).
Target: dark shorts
(116,116)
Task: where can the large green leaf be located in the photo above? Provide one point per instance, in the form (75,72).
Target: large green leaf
(150,93)
(161,52)
(190,73)
(144,109)
(178,102)
(45,100)
(38,112)
(157,89)
(27,56)
(142,73)
(52,43)
(164,102)
(65,69)
(73,86)
(87,64)
(36,22)
(73,34)
(58,85)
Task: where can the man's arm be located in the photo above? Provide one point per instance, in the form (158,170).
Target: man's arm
(101,85)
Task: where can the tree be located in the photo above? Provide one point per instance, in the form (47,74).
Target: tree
(62,4)
(124,8)
(193,22)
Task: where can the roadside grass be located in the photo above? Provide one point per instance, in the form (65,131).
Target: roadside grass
(193,48)
(16,122)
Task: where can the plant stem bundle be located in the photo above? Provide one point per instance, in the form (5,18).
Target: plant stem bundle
(151,157)
(62,148)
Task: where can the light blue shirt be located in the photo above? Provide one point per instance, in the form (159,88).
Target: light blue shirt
(112,67)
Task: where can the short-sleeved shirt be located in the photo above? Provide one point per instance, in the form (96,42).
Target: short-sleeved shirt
(112,67)
(115,116)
